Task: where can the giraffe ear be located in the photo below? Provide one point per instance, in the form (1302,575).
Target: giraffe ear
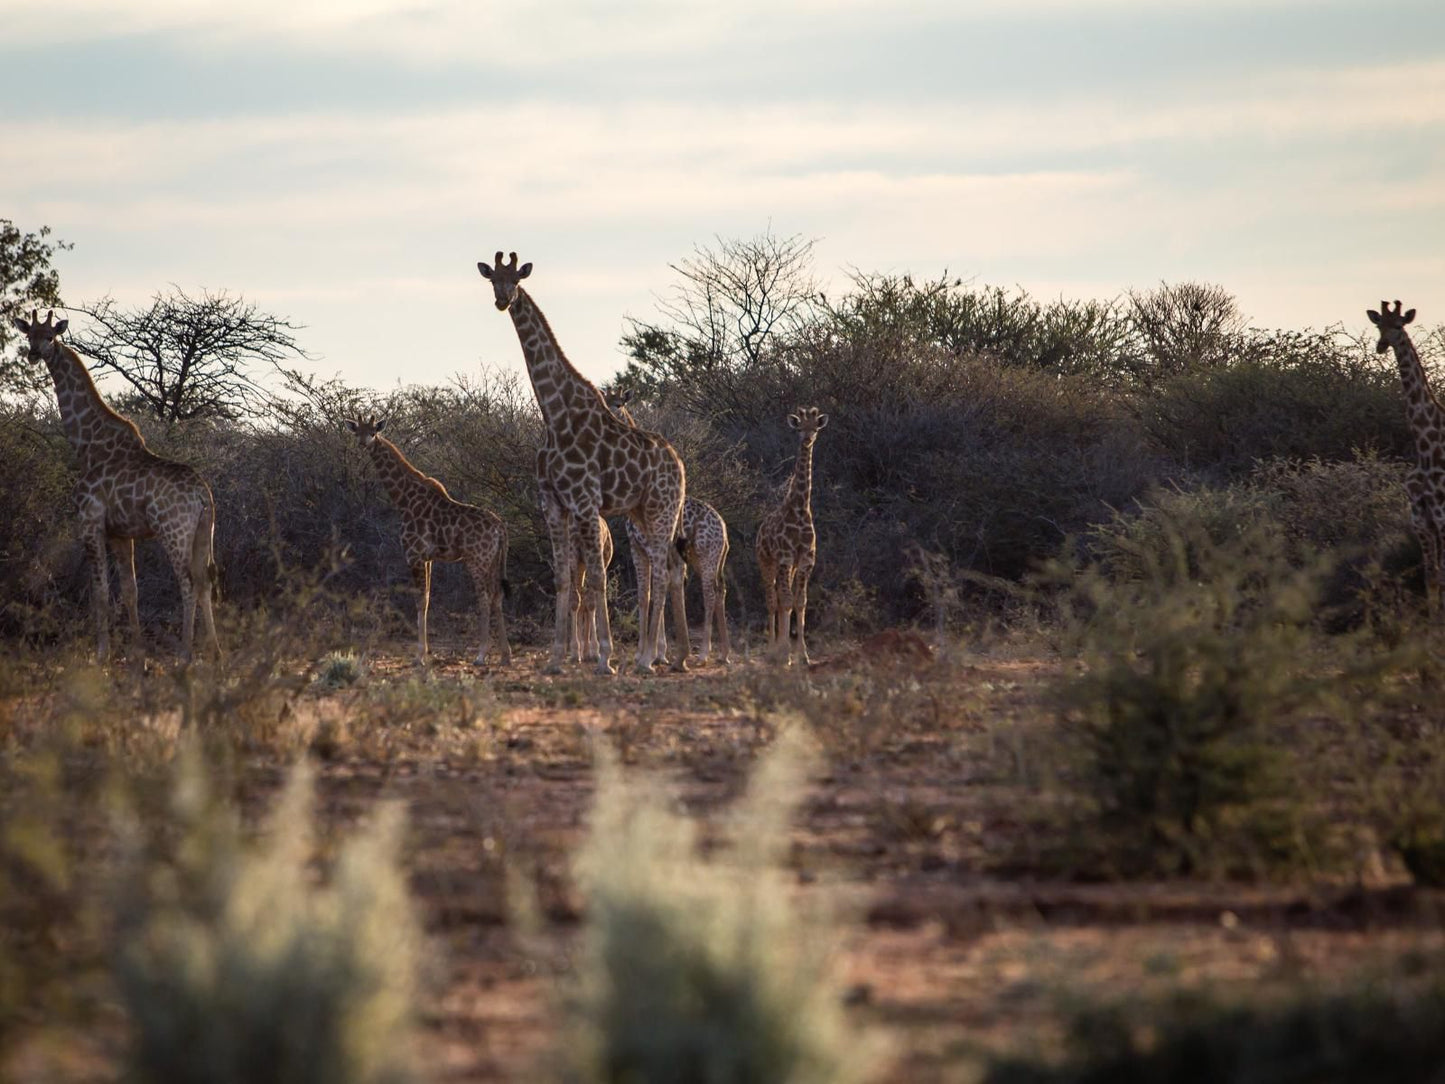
(351,424)
(792,421)
(484,268)
(380,425)
(23,324)
(1409,316)
(822,420)
(1374,316)
(524,270)
(63,324)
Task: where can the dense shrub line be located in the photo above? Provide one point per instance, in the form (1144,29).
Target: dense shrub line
(976,423)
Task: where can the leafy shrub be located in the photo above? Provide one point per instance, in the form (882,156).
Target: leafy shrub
(702,970)
(1378,1032)
(1196,654)
(234,966)
(1281,395)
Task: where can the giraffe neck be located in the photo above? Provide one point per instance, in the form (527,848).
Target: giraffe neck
(398,476)
(1422,409)
(560,389)
(93,429)
(800,490)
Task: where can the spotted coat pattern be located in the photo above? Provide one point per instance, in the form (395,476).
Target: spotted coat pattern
(126,492)
(702,545)
(1425,480)
(581,637)
(596,465)
(787,546)
(435,527)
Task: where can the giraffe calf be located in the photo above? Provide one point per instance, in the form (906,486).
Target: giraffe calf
(437,528)
(787,546)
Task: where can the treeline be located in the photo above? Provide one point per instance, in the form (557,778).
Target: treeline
(975,423)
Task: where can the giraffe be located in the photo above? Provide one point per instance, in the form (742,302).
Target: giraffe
(787,545)
(702,545)
(597,465)
(581,639)
(1425,480)
(437,528)
(127,492)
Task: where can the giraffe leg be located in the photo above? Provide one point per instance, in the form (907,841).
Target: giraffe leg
(421,580)
(720,606)
(483,584)
(584,611)
(676,588)
(100,589)
(642,566)
(782,621)
(123,551)
(770,602)
(499,622)
(590,529)
(203,571)
(800,610)
(567,620)
(178,548)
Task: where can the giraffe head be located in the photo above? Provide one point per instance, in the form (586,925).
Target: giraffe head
(1391,324)
(617,400)
(41,337)
(505,278)
(365,429)
(807,421)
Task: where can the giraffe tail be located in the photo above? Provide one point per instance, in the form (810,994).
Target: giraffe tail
(680,544)
(203,552)
(502,571)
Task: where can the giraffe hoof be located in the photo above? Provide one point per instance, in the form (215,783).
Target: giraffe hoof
(606,668)
(552,668)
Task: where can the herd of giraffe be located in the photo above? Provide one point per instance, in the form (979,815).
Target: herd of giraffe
(595,462)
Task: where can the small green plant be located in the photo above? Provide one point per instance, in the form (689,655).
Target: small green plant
(1196,656)
(340,669)
(234,966)
(702,970)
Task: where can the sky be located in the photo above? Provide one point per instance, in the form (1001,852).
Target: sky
(345,163)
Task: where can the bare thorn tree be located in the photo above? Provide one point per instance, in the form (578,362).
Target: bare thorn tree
(189,357)
(731,304)
(1185,327)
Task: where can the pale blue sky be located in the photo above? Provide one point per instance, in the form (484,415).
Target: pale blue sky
(346,163)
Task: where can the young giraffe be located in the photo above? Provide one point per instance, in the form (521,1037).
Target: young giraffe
(437,528)
(125,492)
(702,545)
(581,638)
(597,465)
(1425,481)
(787,545)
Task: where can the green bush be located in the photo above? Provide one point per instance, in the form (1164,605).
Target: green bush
(233,965)
(1383,1031)
(1196,654)
(698,969)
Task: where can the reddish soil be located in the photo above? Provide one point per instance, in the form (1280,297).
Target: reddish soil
(910,829)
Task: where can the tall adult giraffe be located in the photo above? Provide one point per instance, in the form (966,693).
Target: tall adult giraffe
(702,545)
(125,492)
(787,545)
(1425,481)
(436,527)
(596,464)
